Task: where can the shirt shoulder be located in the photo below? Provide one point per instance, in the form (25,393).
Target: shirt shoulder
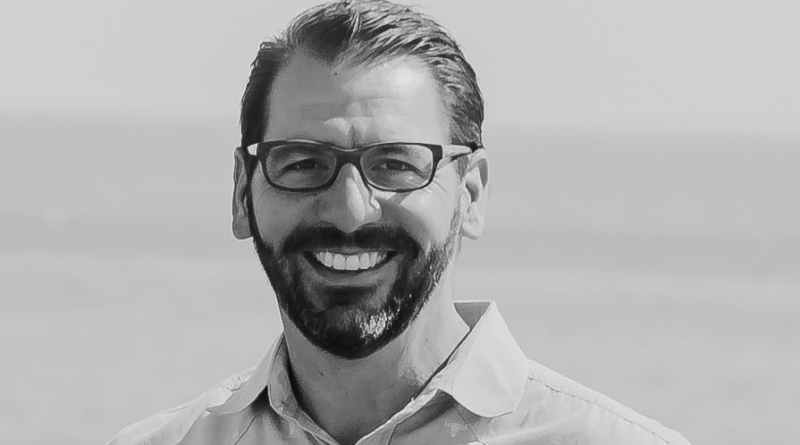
(170,426)
(555,409)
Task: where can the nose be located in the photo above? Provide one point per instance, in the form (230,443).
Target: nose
(348,203)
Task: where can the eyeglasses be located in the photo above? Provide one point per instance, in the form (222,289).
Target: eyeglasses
(304,166)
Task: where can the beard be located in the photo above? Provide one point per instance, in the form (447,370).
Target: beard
(349,324)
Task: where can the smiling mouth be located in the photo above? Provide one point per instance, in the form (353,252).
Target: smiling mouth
(350,262)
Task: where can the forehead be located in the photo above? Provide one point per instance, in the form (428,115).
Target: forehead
(352,105)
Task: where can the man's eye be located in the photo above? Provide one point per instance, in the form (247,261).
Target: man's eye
(306,164)
(393,165)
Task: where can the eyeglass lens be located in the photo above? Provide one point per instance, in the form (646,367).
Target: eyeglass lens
(392,166)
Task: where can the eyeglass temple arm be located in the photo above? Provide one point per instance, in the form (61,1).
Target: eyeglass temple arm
(473,147)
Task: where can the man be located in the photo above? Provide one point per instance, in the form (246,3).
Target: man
(360,170)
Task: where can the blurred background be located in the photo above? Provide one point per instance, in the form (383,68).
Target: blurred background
(644,227)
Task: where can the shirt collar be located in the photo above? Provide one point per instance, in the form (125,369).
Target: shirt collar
(488,371)
(486,374)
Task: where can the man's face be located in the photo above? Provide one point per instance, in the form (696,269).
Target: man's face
(398,243)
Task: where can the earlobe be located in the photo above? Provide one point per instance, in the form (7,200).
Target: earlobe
(240,223)
(476,184)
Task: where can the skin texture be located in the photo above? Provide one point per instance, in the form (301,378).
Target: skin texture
(351,106)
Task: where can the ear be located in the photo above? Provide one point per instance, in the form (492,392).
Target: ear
(240,225)
(476,192)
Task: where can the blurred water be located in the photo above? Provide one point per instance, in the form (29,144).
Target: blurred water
(101,175)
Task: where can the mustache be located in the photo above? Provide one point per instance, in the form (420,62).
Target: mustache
(368,238)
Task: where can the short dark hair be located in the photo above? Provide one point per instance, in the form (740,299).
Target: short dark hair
(366,32)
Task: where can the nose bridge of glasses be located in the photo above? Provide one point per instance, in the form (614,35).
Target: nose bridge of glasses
(352,158)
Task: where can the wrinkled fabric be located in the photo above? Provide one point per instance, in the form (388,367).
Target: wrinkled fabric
(487,393)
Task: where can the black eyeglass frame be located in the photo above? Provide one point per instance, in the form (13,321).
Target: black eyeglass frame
(344,156)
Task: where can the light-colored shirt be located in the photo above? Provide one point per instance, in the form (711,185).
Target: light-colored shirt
(487,393)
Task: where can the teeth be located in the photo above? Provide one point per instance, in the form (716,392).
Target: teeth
(337,261)
(352,262)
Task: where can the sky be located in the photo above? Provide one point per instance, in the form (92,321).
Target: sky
(718,66)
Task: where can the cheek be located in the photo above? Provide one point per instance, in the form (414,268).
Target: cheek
(427,213)
(276,214)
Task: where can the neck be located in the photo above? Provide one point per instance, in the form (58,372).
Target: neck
(351,398)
